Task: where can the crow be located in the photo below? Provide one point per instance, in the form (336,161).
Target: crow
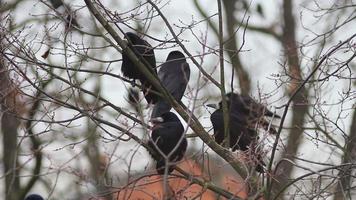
(145,53)
(174,76)
(167,135)
(34,197)
(249,106)
(254,113)
(241,134)
(244,114)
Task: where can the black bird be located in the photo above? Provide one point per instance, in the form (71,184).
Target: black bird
(34,197)
(255,111)
(249,106)
(174,76)
(167,135)
(244,114)
(241,134)
(145,53)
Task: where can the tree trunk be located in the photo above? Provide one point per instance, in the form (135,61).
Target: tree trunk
(232,49)
(344,187)
(300,108)
(9,125)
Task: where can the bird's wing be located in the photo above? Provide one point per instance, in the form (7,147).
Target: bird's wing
(175,81)
(181,150)
(149,55)
(216,119)
(167,133)
(158,141)
(256,109)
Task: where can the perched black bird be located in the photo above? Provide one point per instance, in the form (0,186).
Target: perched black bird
(167,135)
(244,115)
(249,105)
(174,75)
(34,197)
(254,111)
(241,134)
(145,53)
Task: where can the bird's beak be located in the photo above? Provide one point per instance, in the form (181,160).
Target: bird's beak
(156,120)
(213,105)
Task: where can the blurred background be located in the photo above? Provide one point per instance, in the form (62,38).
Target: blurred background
(67,124)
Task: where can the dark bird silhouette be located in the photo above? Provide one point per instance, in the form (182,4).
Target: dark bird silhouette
(167,139)
(174,76)
(245,114)
(249,106)
(254,111)
(34,197)
(241,134)
(144,51)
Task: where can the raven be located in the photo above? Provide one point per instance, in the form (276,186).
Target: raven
(34,197)
(167,135)
(145,53)
(174,76)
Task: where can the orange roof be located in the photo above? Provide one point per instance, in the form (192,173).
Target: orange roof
(151,186)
